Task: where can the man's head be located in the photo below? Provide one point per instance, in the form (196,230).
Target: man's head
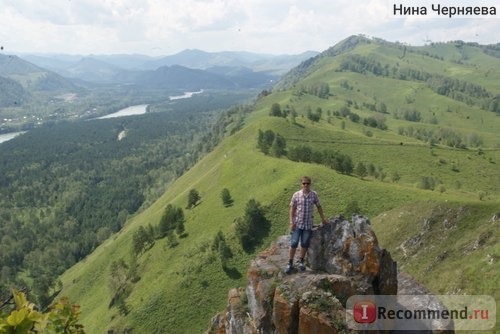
(306,182)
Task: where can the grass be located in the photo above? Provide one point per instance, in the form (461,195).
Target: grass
(181,288)
(450,247)
(445,245)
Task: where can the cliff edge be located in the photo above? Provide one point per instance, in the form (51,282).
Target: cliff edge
(344,259)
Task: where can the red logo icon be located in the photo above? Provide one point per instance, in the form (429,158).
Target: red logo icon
(365,312)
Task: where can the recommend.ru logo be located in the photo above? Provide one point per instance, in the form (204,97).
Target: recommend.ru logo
(421,312)
(365,312)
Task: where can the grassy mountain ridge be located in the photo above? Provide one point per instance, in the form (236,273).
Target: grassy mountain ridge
(479,62)
(307,66)
(181,287)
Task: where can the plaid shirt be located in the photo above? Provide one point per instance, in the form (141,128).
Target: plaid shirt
(304,208)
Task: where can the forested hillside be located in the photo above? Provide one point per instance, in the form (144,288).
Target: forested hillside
(12,93)
(67,188)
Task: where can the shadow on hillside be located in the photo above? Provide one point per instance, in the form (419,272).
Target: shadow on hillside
(299,125)
(232,273)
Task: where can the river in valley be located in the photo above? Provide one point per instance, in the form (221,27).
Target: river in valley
(8,136)
(186,95)
(129,111)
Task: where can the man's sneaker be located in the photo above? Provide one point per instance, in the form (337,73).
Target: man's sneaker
(289,268)
(302,266)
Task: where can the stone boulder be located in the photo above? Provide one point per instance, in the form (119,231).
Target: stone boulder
(351,249)
(344,259)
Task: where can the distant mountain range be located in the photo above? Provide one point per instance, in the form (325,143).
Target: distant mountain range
(194,58)
(30,84)
(224,69)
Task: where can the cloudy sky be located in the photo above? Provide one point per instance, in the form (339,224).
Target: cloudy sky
(162,27)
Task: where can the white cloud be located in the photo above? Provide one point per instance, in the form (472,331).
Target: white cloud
(272,26)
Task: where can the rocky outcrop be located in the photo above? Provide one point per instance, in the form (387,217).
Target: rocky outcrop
(344,260)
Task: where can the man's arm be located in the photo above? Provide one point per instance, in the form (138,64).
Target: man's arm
(293,211)
(320,211)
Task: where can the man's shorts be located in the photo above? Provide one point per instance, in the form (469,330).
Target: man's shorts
(303,235)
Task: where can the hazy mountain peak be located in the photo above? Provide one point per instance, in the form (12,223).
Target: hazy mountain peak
(11,64)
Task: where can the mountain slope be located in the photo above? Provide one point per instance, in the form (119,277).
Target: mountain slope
(179,76)
(61,62)
(414,171)
(13,65)
(13,94)
(91,69)
(244,77)
(31,76)
(196,59)
(190,271)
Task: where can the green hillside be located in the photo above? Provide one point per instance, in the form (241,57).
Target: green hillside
(431,156)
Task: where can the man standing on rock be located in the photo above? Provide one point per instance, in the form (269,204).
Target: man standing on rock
(301,221)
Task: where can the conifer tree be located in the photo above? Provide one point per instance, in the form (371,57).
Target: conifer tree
(193,198)
(225,195)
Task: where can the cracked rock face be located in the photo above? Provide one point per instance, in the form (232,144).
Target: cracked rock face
(344,259)
(351,249)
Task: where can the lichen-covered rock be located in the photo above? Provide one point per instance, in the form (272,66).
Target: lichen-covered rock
(351,248)
(235,319)
(285,311)
(344,260)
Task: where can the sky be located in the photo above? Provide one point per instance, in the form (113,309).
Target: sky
(164,27)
